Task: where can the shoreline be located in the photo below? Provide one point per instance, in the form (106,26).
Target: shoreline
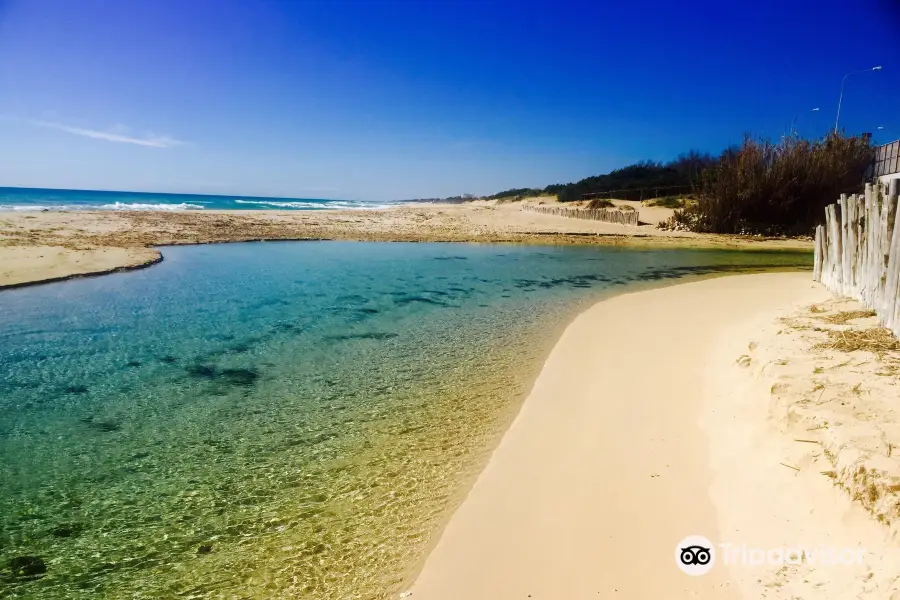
(155,256)
(123,236)
(613,455)
(36,271)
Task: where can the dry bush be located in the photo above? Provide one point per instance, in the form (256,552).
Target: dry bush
(842,317)
(776,189)
(600,203)
(667,202)
(874,339)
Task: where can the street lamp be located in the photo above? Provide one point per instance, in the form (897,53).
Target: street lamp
(841,97)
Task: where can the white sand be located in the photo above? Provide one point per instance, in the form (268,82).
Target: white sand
(788,403)
(607,467)
(36,264)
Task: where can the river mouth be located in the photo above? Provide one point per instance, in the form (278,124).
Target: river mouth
(288,419)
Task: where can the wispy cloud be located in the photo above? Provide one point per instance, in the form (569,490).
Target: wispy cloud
(119,134)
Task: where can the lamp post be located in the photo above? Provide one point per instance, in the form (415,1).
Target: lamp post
(841,97)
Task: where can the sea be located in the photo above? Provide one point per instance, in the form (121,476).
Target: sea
(36,199)
(278,419)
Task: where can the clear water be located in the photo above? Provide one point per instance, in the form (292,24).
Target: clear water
(275,420)
(32,199)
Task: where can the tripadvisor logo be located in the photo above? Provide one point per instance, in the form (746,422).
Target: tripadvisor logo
(696,555)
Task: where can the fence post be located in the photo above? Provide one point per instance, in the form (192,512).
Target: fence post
(817,255)
(857,254)
(890,306)
(874,245)
(850,247)
(834,252)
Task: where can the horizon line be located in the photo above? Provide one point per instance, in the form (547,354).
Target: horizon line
(239,196)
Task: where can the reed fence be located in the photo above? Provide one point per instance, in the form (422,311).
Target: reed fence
(858,251)
(607,215)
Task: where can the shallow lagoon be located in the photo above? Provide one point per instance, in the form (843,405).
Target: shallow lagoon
(276,419)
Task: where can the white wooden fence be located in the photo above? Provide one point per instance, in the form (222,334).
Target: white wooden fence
(607,215)
(858,251)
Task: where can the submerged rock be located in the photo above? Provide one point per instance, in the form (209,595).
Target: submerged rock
(104,426)
(406,299)
(204,549)
(232,377)
(202,371)
(67,530)
(26,566)
(239,376)
(375,335)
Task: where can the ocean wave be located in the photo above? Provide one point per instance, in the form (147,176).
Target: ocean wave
(24,207)
(115,206)
(160,206)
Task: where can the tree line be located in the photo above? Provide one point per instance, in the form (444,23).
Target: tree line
(626,182)
(758,187)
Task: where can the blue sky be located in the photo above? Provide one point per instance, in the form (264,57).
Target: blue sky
(384,100)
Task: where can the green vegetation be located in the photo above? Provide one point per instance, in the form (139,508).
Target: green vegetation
(667,202)
(634,182)
(515,193)
(776,189)
(641,180)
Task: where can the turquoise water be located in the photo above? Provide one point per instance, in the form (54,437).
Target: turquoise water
(275,420)
(31,199)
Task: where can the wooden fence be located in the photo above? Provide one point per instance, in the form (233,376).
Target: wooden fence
(858,251)
(607,215)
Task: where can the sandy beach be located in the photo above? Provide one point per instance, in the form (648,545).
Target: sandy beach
(46,246)
(656,417)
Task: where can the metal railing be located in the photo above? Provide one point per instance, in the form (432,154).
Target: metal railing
(886,162)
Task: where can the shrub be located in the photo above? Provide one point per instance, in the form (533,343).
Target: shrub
(667,202)
(516,193)
(773,189)
(600,203)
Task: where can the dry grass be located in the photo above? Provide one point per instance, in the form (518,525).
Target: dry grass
(874,339)
(815,309)
(776,188)
(842,317)
(600,203)
(667,202)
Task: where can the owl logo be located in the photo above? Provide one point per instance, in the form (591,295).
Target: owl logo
(695,555)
